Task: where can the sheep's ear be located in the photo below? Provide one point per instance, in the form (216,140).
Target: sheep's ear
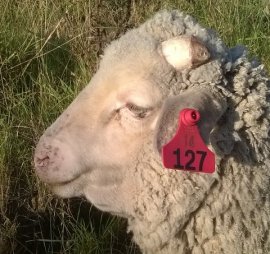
(210,105)
(184,52)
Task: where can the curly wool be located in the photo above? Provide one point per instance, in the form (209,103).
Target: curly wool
(227,212)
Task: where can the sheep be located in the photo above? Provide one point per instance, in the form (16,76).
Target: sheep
(107,144)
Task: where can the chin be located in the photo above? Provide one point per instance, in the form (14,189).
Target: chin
(67,190)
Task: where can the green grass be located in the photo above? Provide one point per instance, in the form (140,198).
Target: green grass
(49,50)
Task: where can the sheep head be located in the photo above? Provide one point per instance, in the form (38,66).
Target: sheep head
(121,120)
(107,144)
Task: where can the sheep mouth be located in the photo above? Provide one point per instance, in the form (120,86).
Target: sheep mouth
(64,183)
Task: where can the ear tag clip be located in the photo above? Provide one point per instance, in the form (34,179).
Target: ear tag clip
(187,150)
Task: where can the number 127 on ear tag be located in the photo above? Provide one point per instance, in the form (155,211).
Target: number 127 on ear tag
(187,150)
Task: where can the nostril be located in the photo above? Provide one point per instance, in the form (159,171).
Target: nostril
(45,156)
(42,162)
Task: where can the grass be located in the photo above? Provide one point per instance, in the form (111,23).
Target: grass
(49,50)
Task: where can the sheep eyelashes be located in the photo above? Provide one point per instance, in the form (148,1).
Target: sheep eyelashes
(187,150)
(185,52)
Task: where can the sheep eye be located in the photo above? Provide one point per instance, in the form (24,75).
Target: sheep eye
(138,112)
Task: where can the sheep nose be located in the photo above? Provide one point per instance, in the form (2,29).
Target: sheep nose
(54,160)
(41,162)
(45,156)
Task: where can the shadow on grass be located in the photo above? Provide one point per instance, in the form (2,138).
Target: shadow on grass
(55,231)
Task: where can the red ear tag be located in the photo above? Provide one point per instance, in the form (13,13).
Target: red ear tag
(187,150)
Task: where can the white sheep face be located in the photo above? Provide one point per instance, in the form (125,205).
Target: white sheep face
(91,146)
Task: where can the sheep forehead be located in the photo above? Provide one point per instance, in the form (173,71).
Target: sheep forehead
(127,83)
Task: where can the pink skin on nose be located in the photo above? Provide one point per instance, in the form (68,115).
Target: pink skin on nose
(54,161)
(46,156)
